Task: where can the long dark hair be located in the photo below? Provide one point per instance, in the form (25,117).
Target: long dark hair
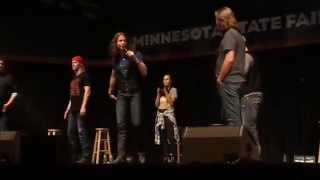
(115,52)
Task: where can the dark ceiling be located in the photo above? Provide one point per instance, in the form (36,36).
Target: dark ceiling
(66,27)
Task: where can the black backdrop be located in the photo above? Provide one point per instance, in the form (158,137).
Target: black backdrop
(289,115)
(287,123)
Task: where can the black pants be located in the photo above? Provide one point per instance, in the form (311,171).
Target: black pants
(169,144)
(3,121)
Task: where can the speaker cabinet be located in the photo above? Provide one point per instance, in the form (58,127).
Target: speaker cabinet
(9,147)
(215,144)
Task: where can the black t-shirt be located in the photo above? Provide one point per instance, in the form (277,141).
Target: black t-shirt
(127,74)
(232,40)
(77,90)
(7,86)
(253,77)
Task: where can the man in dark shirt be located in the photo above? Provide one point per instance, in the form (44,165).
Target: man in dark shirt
(251,100)
(230,65)
(125,89)
(76,112)
(8,94)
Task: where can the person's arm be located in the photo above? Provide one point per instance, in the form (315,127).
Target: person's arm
(229,46)
(67,110)
(171,97)
(10,101)
(112,85)
(14,94)
(140,64)
(157,101)
(85,99)
(142,68)
(228,62)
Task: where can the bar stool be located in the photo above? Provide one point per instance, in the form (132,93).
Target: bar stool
(54,132)
(55,151)
(102,146)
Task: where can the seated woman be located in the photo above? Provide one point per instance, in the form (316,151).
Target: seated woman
(166,129)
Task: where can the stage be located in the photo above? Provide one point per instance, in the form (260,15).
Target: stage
(199,170)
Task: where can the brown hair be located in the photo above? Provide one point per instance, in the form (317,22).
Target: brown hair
(228,17)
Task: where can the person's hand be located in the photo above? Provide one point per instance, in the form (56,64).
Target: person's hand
(219,82)
(83,111)
(113,97)
(5,107)
(158,91)
(130,53)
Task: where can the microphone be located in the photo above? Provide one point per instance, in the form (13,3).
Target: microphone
(123,48)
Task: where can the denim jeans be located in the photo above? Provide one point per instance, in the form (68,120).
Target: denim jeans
(250,104)
(3,121)
(128,109)
(230,99)
(78,136)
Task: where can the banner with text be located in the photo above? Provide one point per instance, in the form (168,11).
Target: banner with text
(286,30)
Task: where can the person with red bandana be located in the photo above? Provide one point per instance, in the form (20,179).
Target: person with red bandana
(76,112)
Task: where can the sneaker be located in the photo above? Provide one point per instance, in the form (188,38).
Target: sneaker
(142,158)
(83,161)
(129,159)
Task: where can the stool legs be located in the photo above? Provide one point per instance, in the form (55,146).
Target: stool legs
(102,138)
(94,149)
(98,147)
(109,147)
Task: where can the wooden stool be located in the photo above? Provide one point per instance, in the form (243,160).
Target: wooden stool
(54,132)
(102,145)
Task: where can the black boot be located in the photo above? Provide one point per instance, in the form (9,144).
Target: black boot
(130,159)
(119,159)
(142,158)
(171,158)
(121,146)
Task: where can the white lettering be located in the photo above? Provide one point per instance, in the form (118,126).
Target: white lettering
(264,23)
(302,20)
(195,34)
(154,39)
(253,27)
(165,38)
(276,23)
(147,40)
(206,31)
(290,20)
(185,35)
(287,21)
(175,36)
(139,41)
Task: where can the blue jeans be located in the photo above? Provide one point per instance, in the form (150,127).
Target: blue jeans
(128,109)
(3,121)
(230,99)
(78,136)
(250,104)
